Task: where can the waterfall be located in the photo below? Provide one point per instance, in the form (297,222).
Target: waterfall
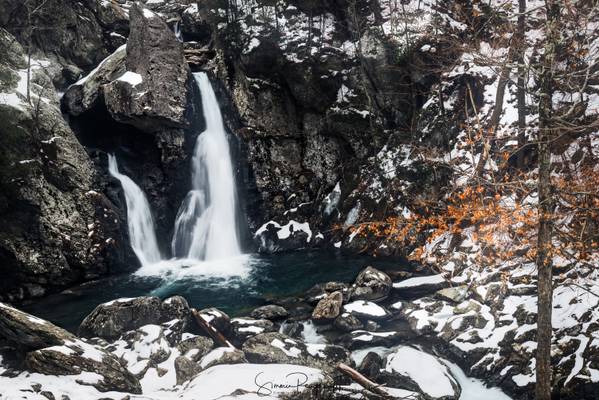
(139,218)
(206,222)
(205,227)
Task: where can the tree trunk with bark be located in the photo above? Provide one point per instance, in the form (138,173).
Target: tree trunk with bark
(545,207)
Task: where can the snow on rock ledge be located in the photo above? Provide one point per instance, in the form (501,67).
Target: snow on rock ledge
(273,237)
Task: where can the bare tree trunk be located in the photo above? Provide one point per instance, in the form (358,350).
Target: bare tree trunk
(545,207)
(521,82)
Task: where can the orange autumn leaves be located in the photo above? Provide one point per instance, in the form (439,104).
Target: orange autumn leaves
(500,221)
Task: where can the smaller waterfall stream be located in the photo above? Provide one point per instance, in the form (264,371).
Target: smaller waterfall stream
(139,218)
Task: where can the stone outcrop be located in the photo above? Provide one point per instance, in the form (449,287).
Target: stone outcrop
(110,320)
(57,227)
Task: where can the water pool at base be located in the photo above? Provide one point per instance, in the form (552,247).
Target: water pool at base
(250,283)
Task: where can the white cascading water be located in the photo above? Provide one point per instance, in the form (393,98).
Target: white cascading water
(139,218)
(205,227)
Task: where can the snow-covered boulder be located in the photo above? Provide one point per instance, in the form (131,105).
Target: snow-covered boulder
(347,322)
(244,328)
(366,310)
(222,355)
(278,348)
(419,286)
(412,369)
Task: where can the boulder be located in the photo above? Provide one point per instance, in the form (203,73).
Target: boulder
(195,347)
(75,357)
(275,347)
(185,369)
(29,332)
(347,322)
(84,94)
(152,94)
(109,320)
(419,286)
(244,328)
(361,339)
(412,369)
(371,365)
(371,284)
(328,308)
(223,355)
(366,310)
(454,294)
(271,312)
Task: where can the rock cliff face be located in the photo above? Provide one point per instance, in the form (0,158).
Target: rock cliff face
(57,227)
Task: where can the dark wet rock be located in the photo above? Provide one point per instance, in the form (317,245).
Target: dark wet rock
(153,94)
(175,307)
(347,322)
(328,308)
(275,347)
(371,365)
(292,329)
(29,332)
(371,284)
(271,312)
(110,320)
(185,369)
(58,229)
(74,357)
(199,346)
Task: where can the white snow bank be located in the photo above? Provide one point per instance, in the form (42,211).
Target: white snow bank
(131,78)
(430,374)
(365,307)
(419,281)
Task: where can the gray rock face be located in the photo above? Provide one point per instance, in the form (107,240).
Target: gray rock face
(347,322)
(222,355)
(328,308)
(244,328)
(371,284)
(271,312)
(28,331)
(153,95)
(278,348)
(110,320)
(57,228)
(74,357)
(217,318)
(185,369)
(198,345)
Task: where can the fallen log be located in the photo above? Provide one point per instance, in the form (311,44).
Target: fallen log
(218,337)
(363,381)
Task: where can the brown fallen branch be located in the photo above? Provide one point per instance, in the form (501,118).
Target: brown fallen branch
(363,381)
(210,330)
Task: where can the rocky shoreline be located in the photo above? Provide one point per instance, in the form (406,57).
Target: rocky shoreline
(133,346)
